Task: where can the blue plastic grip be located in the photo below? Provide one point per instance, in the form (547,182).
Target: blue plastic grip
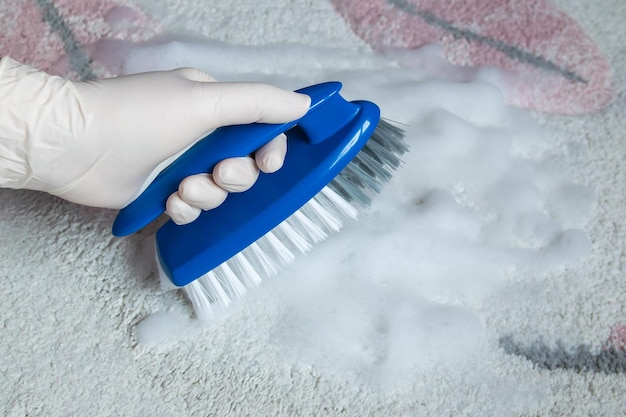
(229,142)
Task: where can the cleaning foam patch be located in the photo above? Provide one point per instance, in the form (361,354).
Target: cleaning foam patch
(401,292)
(161,328)
(548,62)
(480,202)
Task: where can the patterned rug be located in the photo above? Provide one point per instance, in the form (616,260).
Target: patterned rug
(547,60)
(548,64)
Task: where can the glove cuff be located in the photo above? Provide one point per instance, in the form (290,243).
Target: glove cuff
(14,170)
(31,124)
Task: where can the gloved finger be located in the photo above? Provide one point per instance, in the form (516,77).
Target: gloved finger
(179,211)
(195,74)
(236,174)
(271,156)
(243,103)
(201,191)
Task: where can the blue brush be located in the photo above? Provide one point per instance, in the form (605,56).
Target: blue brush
(339,153)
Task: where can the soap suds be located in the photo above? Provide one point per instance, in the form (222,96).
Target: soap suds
(480,201)
(162,328)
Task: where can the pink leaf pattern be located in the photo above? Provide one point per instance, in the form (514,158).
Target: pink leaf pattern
(549,62)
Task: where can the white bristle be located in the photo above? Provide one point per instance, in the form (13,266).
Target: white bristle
(291,235)
(260,259)
(201,303)
(279,250)
(324,216)
(214,290)
(338,204)
(229,280)
(308,227)
(311,224)
(244,269)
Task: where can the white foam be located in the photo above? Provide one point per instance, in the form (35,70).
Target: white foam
(478,201)
(162,328)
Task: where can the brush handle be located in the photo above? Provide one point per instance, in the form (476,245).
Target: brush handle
(230,142)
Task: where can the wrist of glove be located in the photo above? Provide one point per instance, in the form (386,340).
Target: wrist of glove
(99,143)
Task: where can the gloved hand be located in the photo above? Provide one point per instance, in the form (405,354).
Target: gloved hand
(99,143)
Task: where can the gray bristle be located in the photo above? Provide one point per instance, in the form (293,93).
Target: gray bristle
(315,221)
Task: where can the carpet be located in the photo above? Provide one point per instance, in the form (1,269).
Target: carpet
(74,297)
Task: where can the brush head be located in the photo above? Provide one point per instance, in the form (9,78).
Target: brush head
(338,153)
(324,214)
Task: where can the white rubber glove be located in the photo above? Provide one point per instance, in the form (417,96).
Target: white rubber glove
(99,143)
